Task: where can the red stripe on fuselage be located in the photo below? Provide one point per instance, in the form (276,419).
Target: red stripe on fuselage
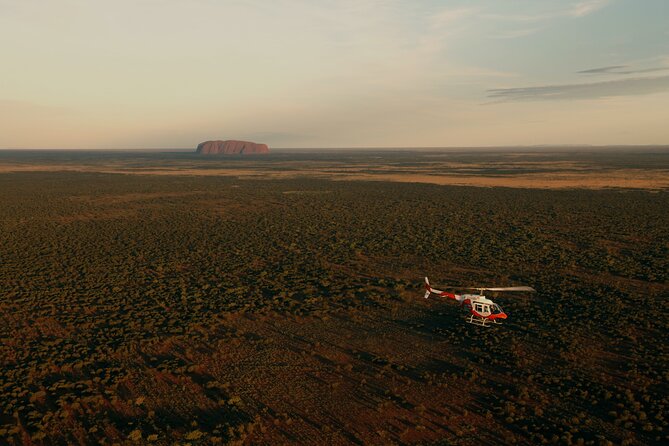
(439,292)
(490,316)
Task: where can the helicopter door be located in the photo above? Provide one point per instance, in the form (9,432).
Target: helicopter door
(482,309)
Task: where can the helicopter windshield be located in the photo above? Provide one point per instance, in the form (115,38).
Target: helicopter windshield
(496,309)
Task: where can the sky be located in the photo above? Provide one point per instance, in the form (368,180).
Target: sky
(99,74)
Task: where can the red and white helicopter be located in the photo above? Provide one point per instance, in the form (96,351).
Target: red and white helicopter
(482,310)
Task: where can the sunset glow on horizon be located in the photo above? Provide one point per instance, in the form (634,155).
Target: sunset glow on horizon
(368,73)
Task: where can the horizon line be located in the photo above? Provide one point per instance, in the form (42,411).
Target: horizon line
(350,148)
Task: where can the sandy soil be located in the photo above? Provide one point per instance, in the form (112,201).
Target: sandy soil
(557,175)
(625,178)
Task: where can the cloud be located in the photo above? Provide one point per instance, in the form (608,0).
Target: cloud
(594,90)
(577,10)
(602,70)
(586,7)
(620,69)
(448,16)
(514,34)
(440,27)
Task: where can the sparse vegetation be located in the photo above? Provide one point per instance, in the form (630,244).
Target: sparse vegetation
(211,310)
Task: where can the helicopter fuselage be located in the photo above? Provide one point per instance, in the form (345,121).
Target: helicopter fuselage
(481,309)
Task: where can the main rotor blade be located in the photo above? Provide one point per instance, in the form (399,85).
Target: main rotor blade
(508,288)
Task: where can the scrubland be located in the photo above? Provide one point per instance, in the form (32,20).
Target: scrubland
(187,309)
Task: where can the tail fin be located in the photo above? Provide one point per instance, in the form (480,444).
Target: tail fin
(429,290)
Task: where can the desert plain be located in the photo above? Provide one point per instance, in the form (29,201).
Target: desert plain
(166,298)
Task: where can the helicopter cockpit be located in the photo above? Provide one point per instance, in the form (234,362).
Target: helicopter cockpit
(496,309)
(482,308)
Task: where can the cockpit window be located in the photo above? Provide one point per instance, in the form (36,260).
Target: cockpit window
(496,309)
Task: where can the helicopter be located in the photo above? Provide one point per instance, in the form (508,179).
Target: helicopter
(482,311)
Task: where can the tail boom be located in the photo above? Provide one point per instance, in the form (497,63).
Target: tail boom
(429,290)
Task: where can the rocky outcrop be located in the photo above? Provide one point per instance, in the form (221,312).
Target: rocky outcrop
(231,147)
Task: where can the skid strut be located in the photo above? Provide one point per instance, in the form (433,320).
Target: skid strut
(481,321)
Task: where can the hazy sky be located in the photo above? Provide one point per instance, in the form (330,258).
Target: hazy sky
(333,73)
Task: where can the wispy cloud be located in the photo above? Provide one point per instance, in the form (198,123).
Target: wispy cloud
(592,90)
(448,16)
(586,7)
(515,33)
(602,70)
(441,25)
(621,69)
(577,9)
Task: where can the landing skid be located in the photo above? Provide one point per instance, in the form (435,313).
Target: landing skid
(481,321)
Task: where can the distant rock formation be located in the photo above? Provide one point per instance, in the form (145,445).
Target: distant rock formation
(230,147)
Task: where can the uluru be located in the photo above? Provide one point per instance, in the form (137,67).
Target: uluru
(231,147)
